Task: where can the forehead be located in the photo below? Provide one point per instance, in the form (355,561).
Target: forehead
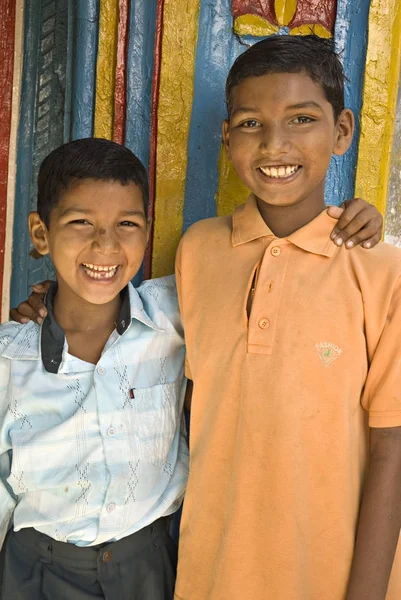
(98,195)
(278,90)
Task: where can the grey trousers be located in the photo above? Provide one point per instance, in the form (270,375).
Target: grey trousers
(139,567)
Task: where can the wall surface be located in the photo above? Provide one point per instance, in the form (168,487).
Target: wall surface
(151,74)
(7,35)
(393,212)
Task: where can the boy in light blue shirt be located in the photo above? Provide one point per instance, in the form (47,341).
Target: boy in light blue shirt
(92,452)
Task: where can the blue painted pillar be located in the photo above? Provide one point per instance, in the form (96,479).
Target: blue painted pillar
(57,103)
(350,36)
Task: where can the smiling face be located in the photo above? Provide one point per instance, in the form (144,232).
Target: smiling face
(96,237)
(281,135)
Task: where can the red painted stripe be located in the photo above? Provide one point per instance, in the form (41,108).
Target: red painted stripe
(121,72)
(315,12)
(153,130)
(263,9)
(7,25)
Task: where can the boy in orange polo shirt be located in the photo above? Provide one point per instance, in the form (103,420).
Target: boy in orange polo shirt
(293,346)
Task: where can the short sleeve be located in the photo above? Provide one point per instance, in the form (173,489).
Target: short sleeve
(382,393)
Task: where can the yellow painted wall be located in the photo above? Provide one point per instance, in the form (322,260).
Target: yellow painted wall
(379,101)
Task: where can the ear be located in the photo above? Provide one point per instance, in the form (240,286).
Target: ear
(344,132)
(39,234)
(225,131)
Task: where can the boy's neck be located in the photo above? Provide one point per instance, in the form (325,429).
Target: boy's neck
(74,314)
(284,220)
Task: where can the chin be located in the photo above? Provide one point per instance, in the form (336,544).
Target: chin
(99,294)
(99,299)
(279,202)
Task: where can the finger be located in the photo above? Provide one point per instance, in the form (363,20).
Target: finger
(371,242)
(24,313)
(33,308)
(42,287)
(357,225)
(16,316)
(35,302)
(354,210)
(365,235)
(335,211)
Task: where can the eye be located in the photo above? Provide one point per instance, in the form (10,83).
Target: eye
(302,120)
(250,124)
(128,224)
(79,222)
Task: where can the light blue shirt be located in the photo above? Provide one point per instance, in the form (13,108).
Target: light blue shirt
(93,453)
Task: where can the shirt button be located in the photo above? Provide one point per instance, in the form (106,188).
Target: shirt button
(111,430)
(263,323)
(111,507)
(101,370)
(107,556)
(275,251)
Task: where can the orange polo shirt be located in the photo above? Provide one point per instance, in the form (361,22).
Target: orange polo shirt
(282,399)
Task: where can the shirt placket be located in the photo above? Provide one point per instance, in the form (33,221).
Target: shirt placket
(112,434)
(266,297)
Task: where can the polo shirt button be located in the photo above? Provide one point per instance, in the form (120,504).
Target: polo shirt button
(275,251)
(101,370)
(111,430)
(111,507)
(263,323)
(107,556)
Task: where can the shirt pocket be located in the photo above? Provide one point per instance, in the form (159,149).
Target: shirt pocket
(157,413)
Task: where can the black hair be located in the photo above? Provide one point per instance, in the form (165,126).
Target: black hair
(310,54)
(88,158)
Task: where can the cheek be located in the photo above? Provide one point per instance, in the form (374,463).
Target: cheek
(242,145)
(241,159)
(321,146)
(318,153)
(134,248)
(67,244)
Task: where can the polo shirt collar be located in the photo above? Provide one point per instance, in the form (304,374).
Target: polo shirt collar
(248,225)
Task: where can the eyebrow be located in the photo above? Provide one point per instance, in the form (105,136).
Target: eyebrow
(307,104)
(85,211)
(245,109)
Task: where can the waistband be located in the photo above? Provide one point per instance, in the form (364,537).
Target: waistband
(50,549)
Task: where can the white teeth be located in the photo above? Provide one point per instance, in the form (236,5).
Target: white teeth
(279,172)
(100,267)
(100,271)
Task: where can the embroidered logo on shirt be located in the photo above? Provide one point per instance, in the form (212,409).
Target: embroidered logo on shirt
(328,352)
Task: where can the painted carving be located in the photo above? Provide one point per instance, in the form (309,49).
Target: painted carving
(297,17)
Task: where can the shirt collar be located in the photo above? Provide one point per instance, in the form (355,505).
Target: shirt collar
(52,339)
(248,225)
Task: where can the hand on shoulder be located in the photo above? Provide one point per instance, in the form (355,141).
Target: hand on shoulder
(359,223)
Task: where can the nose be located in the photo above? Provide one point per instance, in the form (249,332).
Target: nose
(274,142)
(106,241)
